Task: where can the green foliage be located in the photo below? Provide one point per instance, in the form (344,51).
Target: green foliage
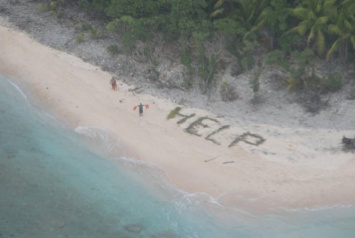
(209,137)
(344,29)
(207,69)
(255,83)
(277,16)
(215,9)
(173,113)
(186,57)
(293,84)
(302,70)
(43,7)
(93,33)
(315,16)
(97,34)
(246,55)
(290,42)
(227,26)
(86,27)
(325,26)
(52,6)
(277,57)
(331,83)
(80,38)
(192,128)
(251,16)
(100,5)
(47,7)
(181,24)
(249,138)
(311,82)
(233,46)
(300,66)
(227,92)
(175,18)
(131,29)
(244,23)
(136,9)
(113,50)
(247,62)
(305,59)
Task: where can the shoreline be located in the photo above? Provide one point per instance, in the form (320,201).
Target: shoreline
(293,168)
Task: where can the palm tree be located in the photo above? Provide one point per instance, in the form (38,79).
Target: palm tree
(217,8)
(344,28)
(246,15)
(251,16)
(315,16)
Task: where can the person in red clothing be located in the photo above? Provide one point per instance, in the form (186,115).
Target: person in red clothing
(113,83)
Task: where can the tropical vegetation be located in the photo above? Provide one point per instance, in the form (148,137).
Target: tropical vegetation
(315,29)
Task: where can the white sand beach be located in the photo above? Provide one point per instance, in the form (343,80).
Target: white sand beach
(293,168)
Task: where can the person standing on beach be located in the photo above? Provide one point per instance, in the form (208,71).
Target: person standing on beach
(140,108)
(113,83)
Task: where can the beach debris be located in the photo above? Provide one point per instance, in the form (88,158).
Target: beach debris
(176,112)
(228,162)
(136,90)
(348,143)
(208,160)
(173,113)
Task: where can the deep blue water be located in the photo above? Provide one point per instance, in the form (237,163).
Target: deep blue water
(55,183)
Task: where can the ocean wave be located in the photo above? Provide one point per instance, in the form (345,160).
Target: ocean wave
(198,204)
(99,137)
(19,90)
(320,208)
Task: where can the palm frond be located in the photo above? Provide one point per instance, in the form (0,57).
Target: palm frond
(333,48)
(311,34)
(329,3)
(303,27)
(321,20)
(352,40)
(320,42)
(300,12)
(218,4)
(334,29)
(348,26)
(217,12)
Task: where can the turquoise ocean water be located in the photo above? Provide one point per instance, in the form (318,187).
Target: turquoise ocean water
(54,183)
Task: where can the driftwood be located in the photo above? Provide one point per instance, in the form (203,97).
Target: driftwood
(348,143)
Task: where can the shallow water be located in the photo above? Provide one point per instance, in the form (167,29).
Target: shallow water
(54,183)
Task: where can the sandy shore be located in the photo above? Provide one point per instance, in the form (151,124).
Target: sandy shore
(292,168)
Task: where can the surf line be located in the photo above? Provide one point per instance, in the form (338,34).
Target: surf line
(202,125)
